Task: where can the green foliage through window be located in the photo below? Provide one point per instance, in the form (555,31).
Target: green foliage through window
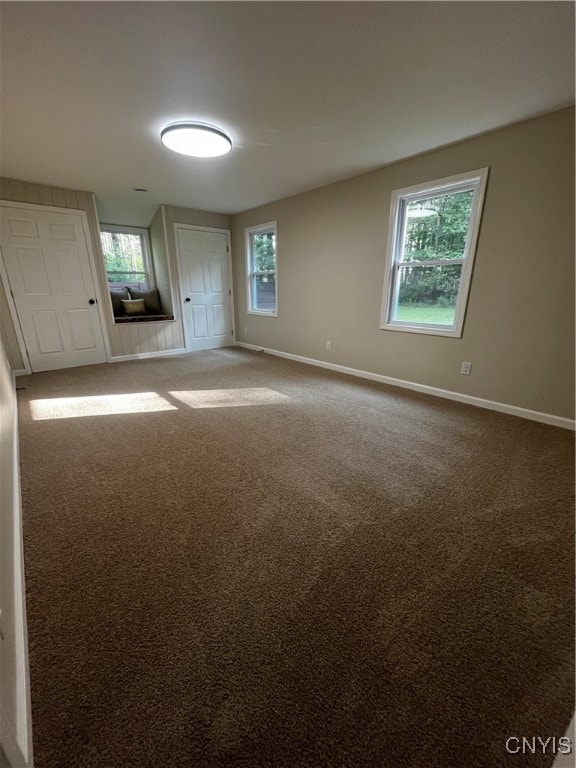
(261,246)
(436,228)
(124,259)
(430,285)
(264,251)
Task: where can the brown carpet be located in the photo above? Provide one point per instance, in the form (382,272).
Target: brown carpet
(290,568)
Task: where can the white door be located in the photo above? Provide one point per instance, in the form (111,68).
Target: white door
(203,261)
(48,266)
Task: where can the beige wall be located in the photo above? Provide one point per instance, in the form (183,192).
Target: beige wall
(193,217)
(519,328)
(162,275)
(15,723)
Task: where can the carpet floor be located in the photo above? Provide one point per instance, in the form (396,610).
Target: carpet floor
(238,560)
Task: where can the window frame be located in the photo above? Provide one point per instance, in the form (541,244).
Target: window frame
(474,181)
(270,226)
(146,250)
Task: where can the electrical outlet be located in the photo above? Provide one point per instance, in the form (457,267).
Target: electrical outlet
(465,369)
(328,345)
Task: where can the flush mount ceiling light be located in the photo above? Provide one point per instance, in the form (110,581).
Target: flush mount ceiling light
(196,140)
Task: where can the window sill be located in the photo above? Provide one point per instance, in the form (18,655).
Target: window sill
(143,319)
(262,312)
(425,329)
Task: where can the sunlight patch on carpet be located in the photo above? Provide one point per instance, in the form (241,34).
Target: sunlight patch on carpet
(101,405)
(230,398)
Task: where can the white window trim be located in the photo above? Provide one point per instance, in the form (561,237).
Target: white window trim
(271,226)
(475,180)
(146,250)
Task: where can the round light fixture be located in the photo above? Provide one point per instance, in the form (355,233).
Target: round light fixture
(196,140)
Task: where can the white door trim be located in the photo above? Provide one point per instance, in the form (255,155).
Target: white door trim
(14,314)
(93,272)
(226,232)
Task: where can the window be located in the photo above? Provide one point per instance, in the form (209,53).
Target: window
(261,269)
(126,257)
(432,241)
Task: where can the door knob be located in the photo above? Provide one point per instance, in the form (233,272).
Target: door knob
(187,299)
(92,301)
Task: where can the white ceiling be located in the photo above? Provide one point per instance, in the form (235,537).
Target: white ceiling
(310,92)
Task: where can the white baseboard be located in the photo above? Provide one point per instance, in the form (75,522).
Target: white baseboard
(122,358)
(144,355)
(492,405)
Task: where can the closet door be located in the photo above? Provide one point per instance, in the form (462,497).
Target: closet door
(204,266)
(50,277)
